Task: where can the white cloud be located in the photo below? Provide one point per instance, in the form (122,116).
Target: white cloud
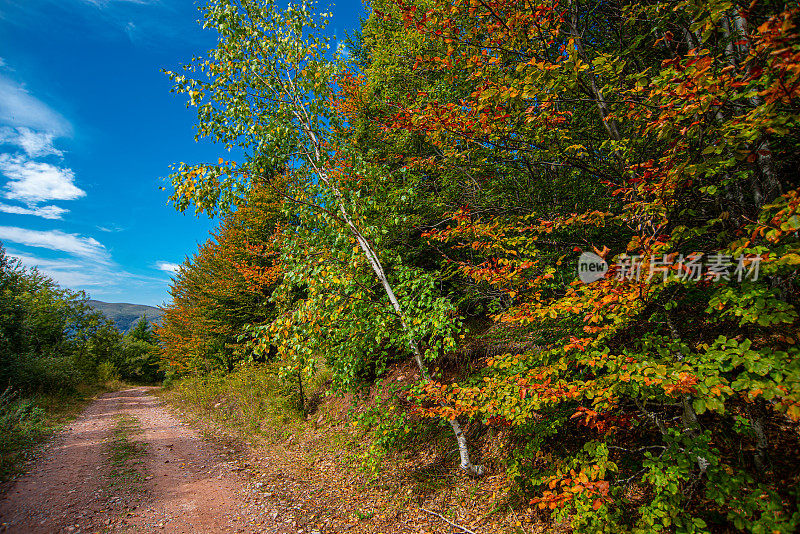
(66,273)
(32,126)
(46,212)
(46,264)
(342,50)
(167,267)
(34,182)
(19,108)
(84,247)
(35,144)
(107,281)
(110,229)
(75,280)
(130,30)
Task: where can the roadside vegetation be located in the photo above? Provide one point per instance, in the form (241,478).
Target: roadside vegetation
(252,400)
(56,353)
(555,245)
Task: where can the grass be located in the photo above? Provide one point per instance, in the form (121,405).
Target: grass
(126,455)
(363,516)
(253,400)
(27,421)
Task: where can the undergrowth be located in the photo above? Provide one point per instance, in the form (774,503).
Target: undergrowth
(253,400)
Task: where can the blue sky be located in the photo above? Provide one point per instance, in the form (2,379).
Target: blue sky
(88,130)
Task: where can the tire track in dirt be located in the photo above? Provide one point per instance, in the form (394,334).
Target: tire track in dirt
(187,485)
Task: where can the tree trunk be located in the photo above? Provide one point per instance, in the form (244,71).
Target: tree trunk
(302,394)
(765,184)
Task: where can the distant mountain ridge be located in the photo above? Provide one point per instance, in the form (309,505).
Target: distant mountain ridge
(126,315)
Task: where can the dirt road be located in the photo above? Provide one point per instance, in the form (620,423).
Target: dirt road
(128,465)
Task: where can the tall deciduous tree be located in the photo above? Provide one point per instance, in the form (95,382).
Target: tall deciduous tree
(268,90)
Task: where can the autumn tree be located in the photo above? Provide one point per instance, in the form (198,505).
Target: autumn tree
(676,124)
(285,119)
(223,288)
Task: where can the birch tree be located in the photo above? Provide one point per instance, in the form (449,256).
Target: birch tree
(265,92)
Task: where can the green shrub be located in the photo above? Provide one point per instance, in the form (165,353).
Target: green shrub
(44,374)
(21,424)
(106,372)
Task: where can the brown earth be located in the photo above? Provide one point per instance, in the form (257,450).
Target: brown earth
(182,483)
(186,482)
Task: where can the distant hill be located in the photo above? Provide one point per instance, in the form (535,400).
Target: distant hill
(125,315)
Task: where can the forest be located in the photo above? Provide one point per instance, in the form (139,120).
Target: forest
(575,222)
